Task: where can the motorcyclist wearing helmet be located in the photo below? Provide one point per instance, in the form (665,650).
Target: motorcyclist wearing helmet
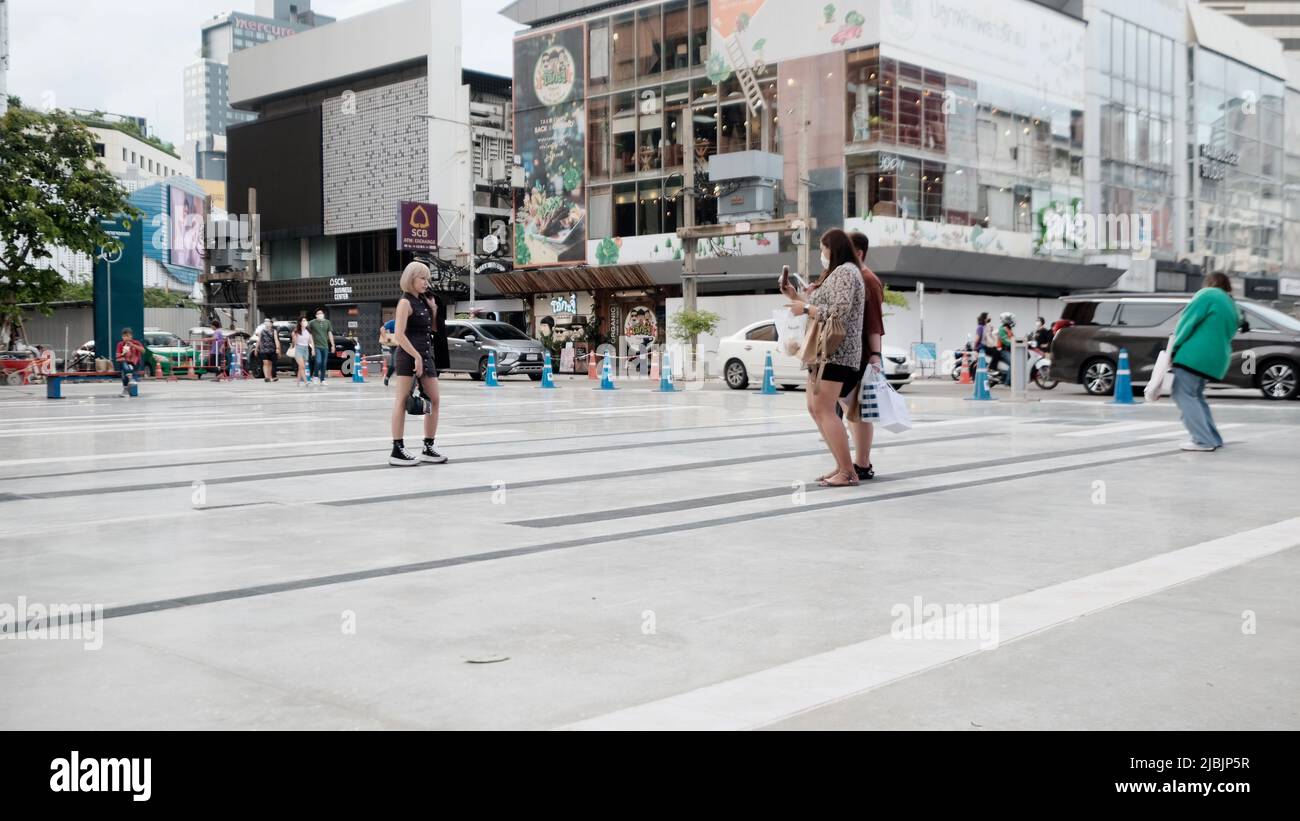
(1007,333)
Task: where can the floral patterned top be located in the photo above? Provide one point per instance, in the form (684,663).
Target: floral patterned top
(843,295)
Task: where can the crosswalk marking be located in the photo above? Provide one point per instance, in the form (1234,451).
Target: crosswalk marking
(769,696)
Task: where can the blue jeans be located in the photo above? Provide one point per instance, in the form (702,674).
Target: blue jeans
(1189,394)
(320,360)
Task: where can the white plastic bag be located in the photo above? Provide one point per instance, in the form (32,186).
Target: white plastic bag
(1162,375)
(790,330)
(881,405)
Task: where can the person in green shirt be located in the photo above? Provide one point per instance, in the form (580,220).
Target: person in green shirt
(1201,353)
(322,337)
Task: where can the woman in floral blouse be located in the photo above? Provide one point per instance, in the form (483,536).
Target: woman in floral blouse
(840,293)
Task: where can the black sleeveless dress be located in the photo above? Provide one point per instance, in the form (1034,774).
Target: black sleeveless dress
(419,330)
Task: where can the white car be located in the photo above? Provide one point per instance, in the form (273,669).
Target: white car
(742,355)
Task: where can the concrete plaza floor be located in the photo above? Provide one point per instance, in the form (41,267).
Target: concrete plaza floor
(639,560)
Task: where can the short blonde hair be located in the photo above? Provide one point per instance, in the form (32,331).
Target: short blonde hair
(412,272)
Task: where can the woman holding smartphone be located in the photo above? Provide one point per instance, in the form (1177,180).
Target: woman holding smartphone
(839,293)
(415,321)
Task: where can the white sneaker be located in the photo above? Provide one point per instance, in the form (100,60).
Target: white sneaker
(401,457)
(1196,447)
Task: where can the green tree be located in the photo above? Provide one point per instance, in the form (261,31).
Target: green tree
(686,327)
(53,192)
(894,298)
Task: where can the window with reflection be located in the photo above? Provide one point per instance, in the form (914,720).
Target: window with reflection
(598,137)
(672,205)
(733,128)
(623,128)
(624,48)
(699,32)
(651,121)
(677,36)
(650,210)
(598,55)
(862,108)
(650,43)
(625,209)
(676,100)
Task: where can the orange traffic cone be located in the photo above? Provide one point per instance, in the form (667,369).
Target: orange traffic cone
(654,365)
(157,373)
(191,374)
(965,368)
(591,364)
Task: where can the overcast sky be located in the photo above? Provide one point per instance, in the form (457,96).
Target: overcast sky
(126,57)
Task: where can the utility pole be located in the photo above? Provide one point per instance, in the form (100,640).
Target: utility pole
(805,208)
(690,291)
(254,272)
(4,56)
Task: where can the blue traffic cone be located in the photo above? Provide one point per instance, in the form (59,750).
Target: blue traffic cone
(548,378)
(490,378)
(769,378)
(666,376)
(606,375)
(1123,381)
(357,376)
(982,382)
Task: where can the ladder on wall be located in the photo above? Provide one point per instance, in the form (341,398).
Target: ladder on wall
(740,64)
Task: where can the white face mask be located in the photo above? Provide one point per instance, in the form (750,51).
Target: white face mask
(826,262)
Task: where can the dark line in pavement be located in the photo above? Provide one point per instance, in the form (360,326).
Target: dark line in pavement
(769,493)
(354,451)
(550,547)
(294,474)
(628,474)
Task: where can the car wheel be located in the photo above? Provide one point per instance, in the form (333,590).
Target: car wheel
(480,374)
(1278,380)
(1098,377)
(897,386)
(736,375)
(536,377)
(789,387)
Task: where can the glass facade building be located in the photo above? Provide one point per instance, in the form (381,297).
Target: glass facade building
(1138,146)
(1236,163)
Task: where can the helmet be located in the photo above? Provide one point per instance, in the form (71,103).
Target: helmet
(1009,319)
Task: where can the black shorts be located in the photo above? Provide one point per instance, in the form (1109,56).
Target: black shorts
(846,376)
(404,364)
(269,356)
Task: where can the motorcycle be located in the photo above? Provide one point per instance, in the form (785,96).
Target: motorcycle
(1040,371)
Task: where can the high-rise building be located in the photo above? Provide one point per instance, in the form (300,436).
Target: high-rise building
(1276,19)
(206,81)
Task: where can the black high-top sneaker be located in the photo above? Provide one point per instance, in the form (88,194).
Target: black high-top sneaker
(401,457)
(430,455)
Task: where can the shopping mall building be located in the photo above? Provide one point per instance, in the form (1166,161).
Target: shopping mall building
(959,136)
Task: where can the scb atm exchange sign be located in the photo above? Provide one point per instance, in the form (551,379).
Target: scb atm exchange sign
(417,226)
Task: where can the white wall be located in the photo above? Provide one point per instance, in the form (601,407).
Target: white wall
(393,34)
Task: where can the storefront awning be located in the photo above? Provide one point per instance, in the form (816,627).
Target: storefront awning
(578,278)
(903,266)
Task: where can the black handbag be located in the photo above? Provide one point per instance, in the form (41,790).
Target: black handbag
(417,404)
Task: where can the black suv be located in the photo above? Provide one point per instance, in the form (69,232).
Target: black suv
(1086,351)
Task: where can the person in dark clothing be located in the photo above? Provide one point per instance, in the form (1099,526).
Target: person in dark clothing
(416,322)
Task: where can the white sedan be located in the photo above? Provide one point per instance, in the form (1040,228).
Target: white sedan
(742,355)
